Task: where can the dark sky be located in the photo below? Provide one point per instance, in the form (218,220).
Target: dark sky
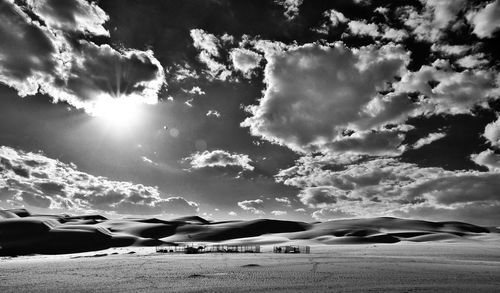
(307,110)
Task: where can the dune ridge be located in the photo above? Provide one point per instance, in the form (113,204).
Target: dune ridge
(23,233)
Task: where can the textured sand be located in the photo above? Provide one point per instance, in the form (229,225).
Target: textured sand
(472,266)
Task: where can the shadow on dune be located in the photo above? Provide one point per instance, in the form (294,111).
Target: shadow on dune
(23,233)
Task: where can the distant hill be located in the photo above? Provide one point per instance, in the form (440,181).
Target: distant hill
(24,233)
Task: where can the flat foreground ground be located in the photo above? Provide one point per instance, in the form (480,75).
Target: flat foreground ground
(404,267)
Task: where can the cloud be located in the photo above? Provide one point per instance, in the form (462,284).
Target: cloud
(219,158)
(205,42)
(471,213)
(196,90)
(320,196)
(283,200)
(486,21)
(71,15)
(291,7)
(213,113)
(492,133)
(328,214)
(279,213)
(245,61)
(255,206)
(100,73)
(393,34)
(232,214)
(459,188)
(209,45)
(181,72)
(314,93)
(436,15)
(51,184)
(148,161)
(189,102)
(428,139)
(334,19)
(449,91)
(43,58)
(472,61)
(487,158)
(27,51)
(373,187)
(450,50)
(359,27)
(379,143)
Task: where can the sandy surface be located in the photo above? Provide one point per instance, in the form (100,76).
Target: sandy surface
(472,266)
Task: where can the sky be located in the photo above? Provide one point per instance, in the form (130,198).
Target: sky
(289,109)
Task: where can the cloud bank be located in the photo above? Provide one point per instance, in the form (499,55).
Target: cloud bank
(36,181)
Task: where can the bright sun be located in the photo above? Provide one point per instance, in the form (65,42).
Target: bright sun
(118,113)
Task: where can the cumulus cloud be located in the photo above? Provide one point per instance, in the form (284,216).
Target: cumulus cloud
(428,139)
(486,21)
(472,61)
(28,51)
(359,27)
(334,18)
(42,58)
(182,72)
(209,45)
(435,17)
(196,90)
(450,91)
(450,50)
(205,42)
(380,186)
(219,158)
(279,213)
(492,133)
(487,158)
(254,206)
(313,93)
(245,61)
(34,180)
(364,28)
(393,34)
(328,214)
(459,188)
(379,143)
(71,15)
(291,7)
(97,74)
(283,200)
(319,196)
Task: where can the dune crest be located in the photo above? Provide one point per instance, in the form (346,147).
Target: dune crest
(24,233)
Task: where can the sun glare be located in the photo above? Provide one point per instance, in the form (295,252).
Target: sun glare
(117,112)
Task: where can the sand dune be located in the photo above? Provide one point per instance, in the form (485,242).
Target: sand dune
(24,233)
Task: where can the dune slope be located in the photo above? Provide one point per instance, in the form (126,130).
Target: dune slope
(24,233)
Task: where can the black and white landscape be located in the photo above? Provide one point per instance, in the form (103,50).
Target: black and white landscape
(368,130)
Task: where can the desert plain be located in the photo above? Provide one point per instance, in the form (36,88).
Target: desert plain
(471,266)
(62,253)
